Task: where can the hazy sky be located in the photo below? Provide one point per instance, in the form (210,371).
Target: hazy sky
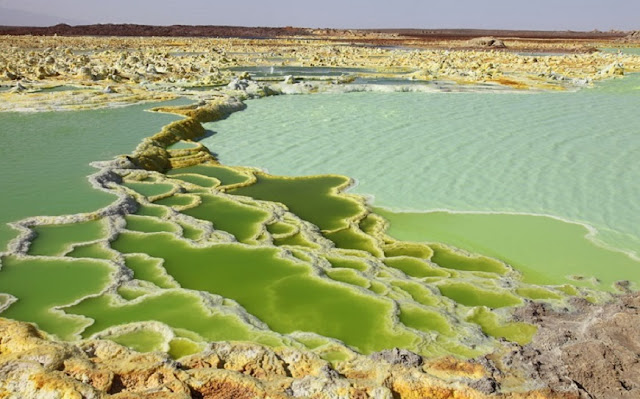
(501,14)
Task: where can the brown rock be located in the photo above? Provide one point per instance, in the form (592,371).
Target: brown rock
(487,42)
(593,351)
(225,384)
(245,358)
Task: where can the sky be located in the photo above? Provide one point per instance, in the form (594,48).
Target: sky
(580,15)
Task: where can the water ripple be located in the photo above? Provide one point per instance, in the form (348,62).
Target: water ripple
(570,155)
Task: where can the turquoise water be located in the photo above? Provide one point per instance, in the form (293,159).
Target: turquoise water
(571,155)
(44,158)
(627,50)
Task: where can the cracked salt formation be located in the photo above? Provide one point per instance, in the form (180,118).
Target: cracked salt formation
(39,285)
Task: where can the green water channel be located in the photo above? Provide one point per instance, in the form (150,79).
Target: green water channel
(309,197)
(45,158)
(40,284)
(242,221)
(543,249)
(57,239)
(281,292)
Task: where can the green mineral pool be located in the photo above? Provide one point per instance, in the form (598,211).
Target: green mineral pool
(334,222)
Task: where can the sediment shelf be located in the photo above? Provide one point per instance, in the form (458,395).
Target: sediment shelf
(209,280)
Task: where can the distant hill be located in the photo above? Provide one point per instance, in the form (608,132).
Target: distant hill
(64,29)
(425,35)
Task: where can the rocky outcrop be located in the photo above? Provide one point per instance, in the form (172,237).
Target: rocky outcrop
(614,69)
(632,37)
(593,350)
(490,42)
